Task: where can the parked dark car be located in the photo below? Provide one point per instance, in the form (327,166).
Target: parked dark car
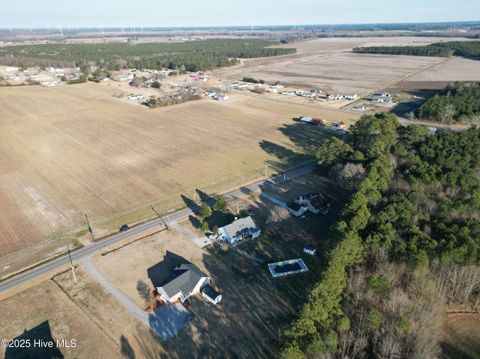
(124,228)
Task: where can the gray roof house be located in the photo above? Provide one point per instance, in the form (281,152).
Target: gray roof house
(239,230)
(187,281)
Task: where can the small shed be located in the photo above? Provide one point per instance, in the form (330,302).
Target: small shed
(211,295)
(309,250)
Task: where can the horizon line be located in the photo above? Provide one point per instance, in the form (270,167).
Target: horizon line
(11,28)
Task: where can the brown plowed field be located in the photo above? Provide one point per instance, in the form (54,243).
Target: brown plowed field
(70,150)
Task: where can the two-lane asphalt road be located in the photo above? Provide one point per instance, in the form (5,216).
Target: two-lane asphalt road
(90,249)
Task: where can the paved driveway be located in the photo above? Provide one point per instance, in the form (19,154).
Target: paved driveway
(199,241)
(168,320)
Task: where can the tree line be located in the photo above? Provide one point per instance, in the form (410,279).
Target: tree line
(412,221)
(443,49)
(192,55)
(460,103)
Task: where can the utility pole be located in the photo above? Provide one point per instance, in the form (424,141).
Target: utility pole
(73,267)
(90,228)
(161,218)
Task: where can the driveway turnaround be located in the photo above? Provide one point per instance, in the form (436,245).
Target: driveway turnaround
(199,241)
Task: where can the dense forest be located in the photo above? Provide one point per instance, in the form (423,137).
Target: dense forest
(460,103)
(408,244)
(444,49)
(192,55)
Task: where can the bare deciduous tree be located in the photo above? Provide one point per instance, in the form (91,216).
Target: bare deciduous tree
(458,283)
(278,214)
(145,292)
(348,175)
(236,207)
(447,114)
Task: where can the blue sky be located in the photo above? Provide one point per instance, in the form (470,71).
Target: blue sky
(74,13)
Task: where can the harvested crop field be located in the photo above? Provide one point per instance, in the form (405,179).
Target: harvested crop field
(455,69)
(329,65)
(74,150)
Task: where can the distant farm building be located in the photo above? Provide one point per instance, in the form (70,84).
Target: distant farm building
(312,121)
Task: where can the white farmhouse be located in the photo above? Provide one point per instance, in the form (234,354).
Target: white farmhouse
(239,230)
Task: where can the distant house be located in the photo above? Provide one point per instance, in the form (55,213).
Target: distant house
(381,99)
(351,97)
(313,202)
(135,97)
(309,94)
(126,77)
(188,280)
(240,85)
(296,209)
(334,97)
(239,230)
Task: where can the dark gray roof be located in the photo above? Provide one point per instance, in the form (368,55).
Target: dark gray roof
(294,206)
(186,278)
(212,293)
(317,200)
